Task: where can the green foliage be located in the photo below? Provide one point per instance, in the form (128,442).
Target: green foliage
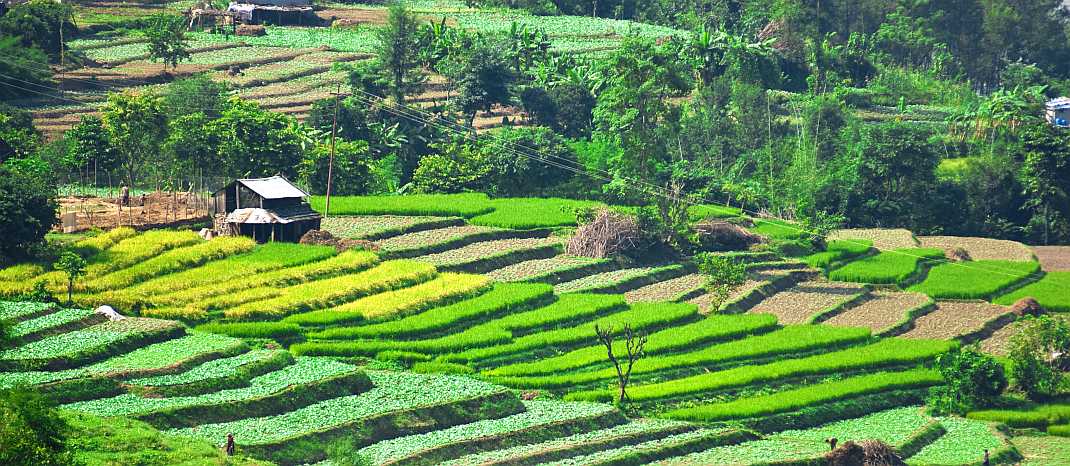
(1039,353)
(197,93)
(27,210)
(38,24)
(790,339)
(167,39)
(136,124)
(32,431)
(23,75)
(723,276)
(973,380)
(73,266)
(838,250)
(484,79)
(1046,181)
(99,441)
(256,142)
(88,144)
(397,51)
(1038,416)
(351,173)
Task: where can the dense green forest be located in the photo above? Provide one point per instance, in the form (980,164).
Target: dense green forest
(926,115)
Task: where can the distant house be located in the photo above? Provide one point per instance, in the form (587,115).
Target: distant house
(272,11)
(265,209)
(1057,112)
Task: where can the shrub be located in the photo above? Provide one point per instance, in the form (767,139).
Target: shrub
(31,431)
(1040,354)
(973,380)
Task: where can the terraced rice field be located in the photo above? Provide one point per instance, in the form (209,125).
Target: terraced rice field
(673,289)
(373,227)
(981,248)
(883,239)
(486,255)
(883,312)
(419,240)
(616,279)
(754,368)
(953,319)
(806,300)
(548,268)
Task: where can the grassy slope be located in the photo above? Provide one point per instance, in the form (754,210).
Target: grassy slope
(117,441)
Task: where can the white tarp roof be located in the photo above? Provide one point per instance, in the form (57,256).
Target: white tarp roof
(1058,103)
(274,187)
(258,215)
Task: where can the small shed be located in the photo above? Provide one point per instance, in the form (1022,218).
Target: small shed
(272,11)
(1057,112)
(265,209)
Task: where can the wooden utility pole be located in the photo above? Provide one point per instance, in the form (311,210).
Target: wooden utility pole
(330,161)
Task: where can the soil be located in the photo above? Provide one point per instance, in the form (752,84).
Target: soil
(160,209)
(1053,258)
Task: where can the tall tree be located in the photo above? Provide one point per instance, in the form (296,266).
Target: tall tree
(1045,177)
(136,124)
(167,39)
(485,79)
(399,51)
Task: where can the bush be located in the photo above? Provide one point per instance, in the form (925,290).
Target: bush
(1040,354)
(31,431)
(974,380)
(27,211)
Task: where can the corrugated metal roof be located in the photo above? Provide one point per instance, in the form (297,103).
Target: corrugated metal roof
(274,187)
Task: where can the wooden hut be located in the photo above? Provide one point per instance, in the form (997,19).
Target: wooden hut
(265,209)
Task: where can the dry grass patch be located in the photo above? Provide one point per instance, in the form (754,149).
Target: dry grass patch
(981,248)
(884,311)
(797,305)
(882,238)
(952,319)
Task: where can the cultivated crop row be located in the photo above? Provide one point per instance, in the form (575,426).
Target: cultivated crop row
(385,305)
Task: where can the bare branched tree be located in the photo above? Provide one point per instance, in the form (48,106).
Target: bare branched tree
(633,345)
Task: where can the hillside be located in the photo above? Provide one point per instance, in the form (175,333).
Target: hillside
(794,354)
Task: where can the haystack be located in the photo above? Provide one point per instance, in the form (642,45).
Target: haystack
(719,235)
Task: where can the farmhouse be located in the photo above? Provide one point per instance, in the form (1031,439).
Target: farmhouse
(266,209)
(1057,112)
